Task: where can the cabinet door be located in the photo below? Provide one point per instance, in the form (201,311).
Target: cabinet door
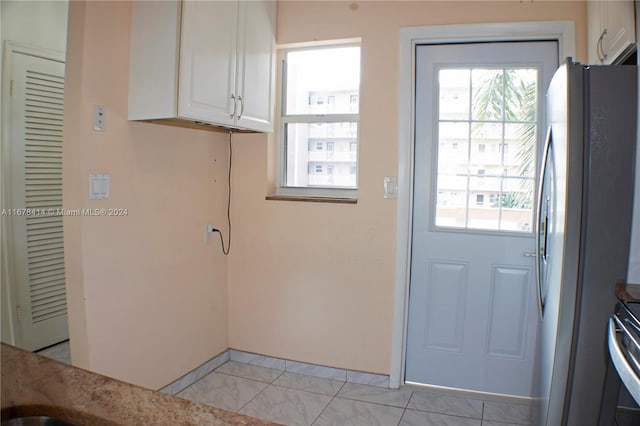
(620,27)
(596,24)
(256,38)
(208,61)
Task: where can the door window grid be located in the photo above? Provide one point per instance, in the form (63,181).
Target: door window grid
(513,113)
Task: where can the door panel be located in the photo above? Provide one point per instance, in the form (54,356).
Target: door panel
(208,61)
(255,65)
(36,195)
(446,298)
(509,297)
(472,317)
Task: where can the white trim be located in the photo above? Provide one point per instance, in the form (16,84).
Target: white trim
(308,192)
(356,41)
(562,31)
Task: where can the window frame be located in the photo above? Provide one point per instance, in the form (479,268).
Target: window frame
(310,193)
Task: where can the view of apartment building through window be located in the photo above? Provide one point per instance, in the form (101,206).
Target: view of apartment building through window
(332,146)
(320,117)
(487,130)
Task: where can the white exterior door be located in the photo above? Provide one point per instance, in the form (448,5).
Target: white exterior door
(36,243)
(472,315)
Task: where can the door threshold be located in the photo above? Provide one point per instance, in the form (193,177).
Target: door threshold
(471,394)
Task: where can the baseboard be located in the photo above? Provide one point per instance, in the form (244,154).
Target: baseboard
(341,374)
(196,374)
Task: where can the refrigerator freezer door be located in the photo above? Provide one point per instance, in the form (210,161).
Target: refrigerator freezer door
(564,109)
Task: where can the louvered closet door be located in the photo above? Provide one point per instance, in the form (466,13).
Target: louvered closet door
(36,194)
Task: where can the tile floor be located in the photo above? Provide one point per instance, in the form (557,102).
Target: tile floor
(60,352)
(296,399)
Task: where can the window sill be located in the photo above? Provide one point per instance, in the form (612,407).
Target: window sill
(312,199)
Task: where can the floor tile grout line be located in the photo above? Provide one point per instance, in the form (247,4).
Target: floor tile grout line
(329,403)
(302,390)
(272,382)
(370,402)
(191,385)
(402,416)
(322,411)
(245,377)
(254,397)
(445,414)
(408,401)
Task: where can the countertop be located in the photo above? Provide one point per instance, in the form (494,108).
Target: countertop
(628,291)
(33,385)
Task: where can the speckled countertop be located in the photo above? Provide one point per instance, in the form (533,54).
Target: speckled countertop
(628,291)
(33,385)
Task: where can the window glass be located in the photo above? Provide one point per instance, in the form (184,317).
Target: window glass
(319,122)
(486,142)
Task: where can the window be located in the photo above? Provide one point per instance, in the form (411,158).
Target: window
(319,110)
(495,109)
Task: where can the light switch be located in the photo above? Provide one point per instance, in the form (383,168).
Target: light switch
(99,187)
(391,187)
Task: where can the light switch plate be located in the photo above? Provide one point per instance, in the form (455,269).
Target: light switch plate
(391,187)
(99,186)
(98,118)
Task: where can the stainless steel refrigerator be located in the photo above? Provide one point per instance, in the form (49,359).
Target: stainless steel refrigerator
(583,232)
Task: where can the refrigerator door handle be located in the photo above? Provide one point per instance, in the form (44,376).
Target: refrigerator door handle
(540,252)
(624,369)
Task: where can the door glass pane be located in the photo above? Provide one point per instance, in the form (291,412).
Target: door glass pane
(482,211)
(453,159)
(454,94)
(487,132)
(487,88)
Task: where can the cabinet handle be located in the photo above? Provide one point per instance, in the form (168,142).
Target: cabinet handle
(241,106)
(600,49)
(235,105)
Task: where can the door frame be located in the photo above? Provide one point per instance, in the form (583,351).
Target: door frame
(561,31)
(10,328)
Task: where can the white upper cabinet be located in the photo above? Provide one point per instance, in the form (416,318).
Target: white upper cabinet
(611,29)
(196,62)
(208,56)
(256,65)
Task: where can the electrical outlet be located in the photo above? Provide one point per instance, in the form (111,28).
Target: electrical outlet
(208,231)
(98,118)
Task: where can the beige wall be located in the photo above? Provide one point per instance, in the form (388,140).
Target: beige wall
(314,282)
(148,301)
(147,298)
